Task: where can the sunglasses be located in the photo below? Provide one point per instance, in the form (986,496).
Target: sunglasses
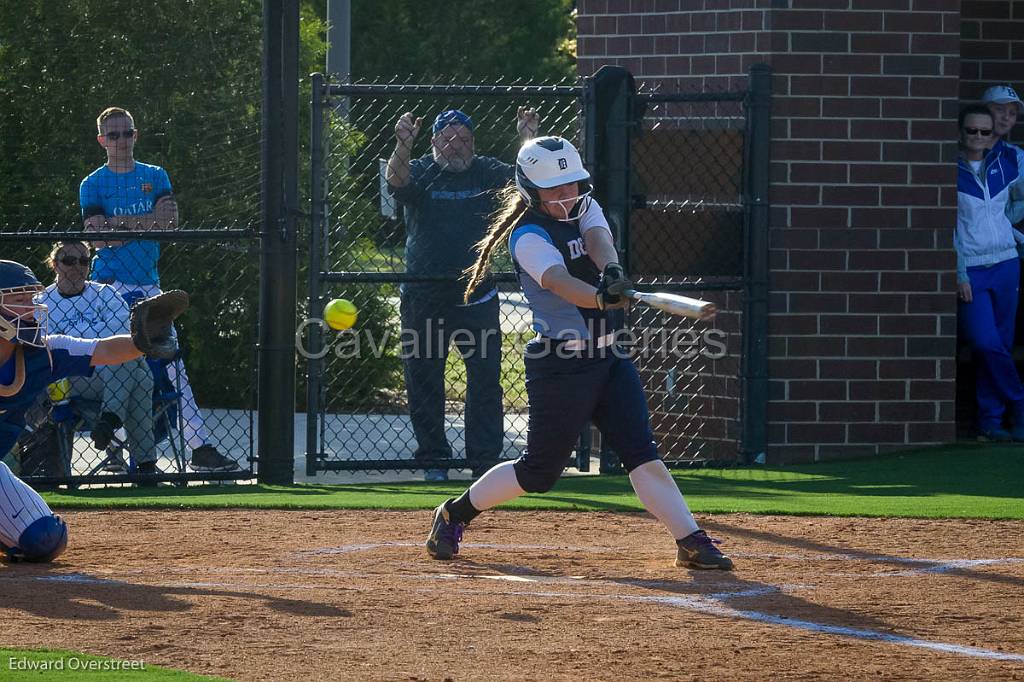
(114,135)
(978,131)
(71,260)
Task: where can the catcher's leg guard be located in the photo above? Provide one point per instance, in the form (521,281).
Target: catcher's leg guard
(44,540)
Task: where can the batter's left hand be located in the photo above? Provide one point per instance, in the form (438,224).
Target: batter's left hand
(611,287)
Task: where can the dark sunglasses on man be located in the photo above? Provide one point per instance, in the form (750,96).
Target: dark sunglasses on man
(978,131)
(114,135)
(71,261)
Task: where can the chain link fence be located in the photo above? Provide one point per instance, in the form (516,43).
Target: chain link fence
(686,233)
(406,280)
(369,245)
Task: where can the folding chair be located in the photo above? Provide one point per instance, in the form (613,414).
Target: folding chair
(74,414)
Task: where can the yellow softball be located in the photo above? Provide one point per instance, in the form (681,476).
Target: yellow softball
(340,314)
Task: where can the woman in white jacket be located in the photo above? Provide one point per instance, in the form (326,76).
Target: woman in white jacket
(988,269)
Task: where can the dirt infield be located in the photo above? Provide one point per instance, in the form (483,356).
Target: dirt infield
(540,596)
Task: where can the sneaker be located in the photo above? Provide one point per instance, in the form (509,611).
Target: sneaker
(697,550)
(147,468)
(103,432)
(996,434)
(445,536)
(1017,432)
(115,463)
(207,458)
(435,475)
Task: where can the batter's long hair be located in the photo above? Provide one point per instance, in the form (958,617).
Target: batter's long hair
(511,207)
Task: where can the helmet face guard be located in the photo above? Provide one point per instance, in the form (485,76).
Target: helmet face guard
(16,324)
(547,162)
(574,207)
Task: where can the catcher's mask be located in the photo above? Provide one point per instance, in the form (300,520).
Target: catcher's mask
(22,319)
(546,162)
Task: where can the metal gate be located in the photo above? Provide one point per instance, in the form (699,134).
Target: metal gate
(355,400)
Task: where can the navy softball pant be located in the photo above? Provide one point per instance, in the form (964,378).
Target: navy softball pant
(567,392)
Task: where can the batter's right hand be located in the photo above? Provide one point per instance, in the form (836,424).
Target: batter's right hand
(407,128)
(964,290)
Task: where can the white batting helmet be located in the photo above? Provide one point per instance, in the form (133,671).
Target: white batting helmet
(546,162)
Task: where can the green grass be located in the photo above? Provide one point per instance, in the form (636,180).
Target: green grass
(962,481)
(59,666)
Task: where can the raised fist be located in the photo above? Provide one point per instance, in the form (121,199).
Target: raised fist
(407,128)
(527,123)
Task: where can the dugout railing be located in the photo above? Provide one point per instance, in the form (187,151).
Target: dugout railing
(219,268)
(683,180)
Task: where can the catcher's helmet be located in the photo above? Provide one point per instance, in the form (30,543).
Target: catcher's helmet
(546,162)
(24,323)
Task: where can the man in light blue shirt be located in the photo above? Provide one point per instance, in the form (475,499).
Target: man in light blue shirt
(125,194)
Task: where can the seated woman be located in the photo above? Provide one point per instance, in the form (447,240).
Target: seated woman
(86,309)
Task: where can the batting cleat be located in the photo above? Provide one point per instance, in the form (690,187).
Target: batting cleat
(445,536)
(697,550)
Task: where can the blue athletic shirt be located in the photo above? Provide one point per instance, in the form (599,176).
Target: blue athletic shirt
(111,194)
(65,356)
(446,214)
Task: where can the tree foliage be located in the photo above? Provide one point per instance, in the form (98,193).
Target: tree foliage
(190,72)
(477,41)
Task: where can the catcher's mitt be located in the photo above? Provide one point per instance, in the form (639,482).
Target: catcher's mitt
(151,321)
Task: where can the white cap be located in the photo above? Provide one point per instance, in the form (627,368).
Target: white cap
(1002,94)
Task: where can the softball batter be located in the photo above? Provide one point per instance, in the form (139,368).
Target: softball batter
(565,259)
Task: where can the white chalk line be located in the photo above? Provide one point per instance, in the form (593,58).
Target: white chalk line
(925,565)
(709,606)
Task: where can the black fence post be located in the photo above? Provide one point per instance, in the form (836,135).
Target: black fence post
(609,98)
(755,231)
(276,398)
(314,338)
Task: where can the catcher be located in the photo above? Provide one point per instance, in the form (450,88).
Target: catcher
(30,359)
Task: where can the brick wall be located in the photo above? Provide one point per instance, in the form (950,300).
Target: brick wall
(862,327)
(992,45)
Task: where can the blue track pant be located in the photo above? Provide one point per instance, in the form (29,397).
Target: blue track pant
(987,323)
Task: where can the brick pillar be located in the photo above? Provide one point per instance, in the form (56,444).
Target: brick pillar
(991,48)
(863,307)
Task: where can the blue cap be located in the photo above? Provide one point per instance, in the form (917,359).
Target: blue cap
(1001,94)
(451,117)
(13,275)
